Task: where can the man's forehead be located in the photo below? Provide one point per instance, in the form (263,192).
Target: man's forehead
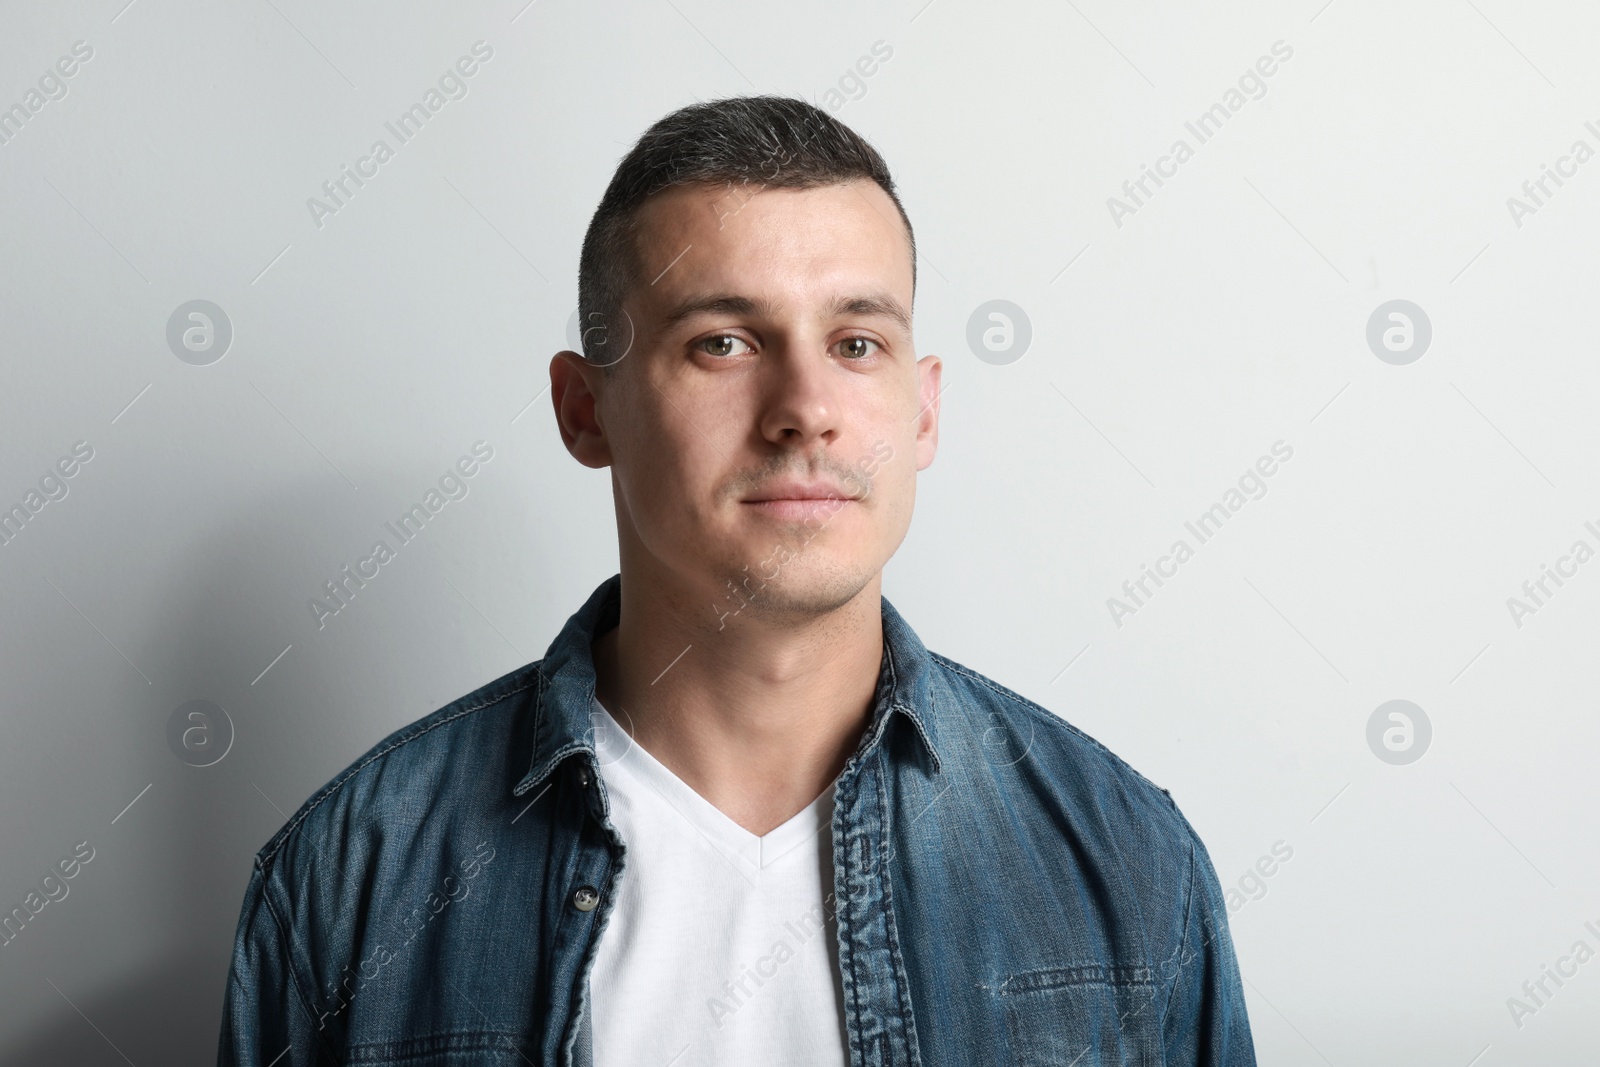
(874,303)
(696,260)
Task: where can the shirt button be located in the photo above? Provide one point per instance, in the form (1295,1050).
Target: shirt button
(585,898)
(583,776)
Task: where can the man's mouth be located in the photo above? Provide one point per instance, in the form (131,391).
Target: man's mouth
(798,499)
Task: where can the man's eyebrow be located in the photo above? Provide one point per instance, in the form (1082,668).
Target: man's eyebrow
(721,304)
(729,304)
(876,304)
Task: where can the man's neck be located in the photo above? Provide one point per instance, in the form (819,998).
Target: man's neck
(759,716)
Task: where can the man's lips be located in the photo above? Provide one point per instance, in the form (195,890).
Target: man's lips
(800,500)
(800,491)
(780,499)
(799,509)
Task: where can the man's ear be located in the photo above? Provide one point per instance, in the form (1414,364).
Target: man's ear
(576,386)
(929,370)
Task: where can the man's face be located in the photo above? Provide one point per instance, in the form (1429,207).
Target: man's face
(772,361)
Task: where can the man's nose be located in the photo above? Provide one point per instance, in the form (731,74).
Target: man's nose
(800,396)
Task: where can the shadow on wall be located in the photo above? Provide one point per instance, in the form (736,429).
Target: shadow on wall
(159,1015)
(145,956)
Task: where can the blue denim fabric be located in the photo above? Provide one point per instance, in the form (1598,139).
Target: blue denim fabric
(1006,890)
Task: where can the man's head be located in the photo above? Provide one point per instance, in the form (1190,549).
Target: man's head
(745,290)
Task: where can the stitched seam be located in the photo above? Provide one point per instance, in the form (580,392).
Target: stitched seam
(857,1045)
(1188,917)
(1023,702)
(1019,699)
(938,764)
(334,786)
(287,939)
(1118,976)
(433,1044)
(911,713)
(907,1019)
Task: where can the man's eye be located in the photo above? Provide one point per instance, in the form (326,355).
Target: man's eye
(855,347)
(720,345)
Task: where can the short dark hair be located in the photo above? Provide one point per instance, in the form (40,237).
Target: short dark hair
(769,141)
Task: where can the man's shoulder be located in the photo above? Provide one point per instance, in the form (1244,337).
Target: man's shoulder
(1068,768)
(459,748)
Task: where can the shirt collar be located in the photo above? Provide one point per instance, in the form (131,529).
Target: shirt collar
(563,725)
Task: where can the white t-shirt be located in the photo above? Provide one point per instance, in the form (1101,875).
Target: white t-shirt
(720,947)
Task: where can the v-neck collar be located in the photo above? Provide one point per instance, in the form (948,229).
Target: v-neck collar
(616,750)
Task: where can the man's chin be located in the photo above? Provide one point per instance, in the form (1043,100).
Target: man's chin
(790,584)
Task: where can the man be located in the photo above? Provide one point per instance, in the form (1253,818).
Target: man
(738,814)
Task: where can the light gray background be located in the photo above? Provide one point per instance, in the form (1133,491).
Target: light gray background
(1167,354)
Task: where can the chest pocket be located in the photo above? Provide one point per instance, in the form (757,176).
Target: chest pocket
(1091,1015)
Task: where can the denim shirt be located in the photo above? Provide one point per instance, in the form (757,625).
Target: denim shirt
(1006,891)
